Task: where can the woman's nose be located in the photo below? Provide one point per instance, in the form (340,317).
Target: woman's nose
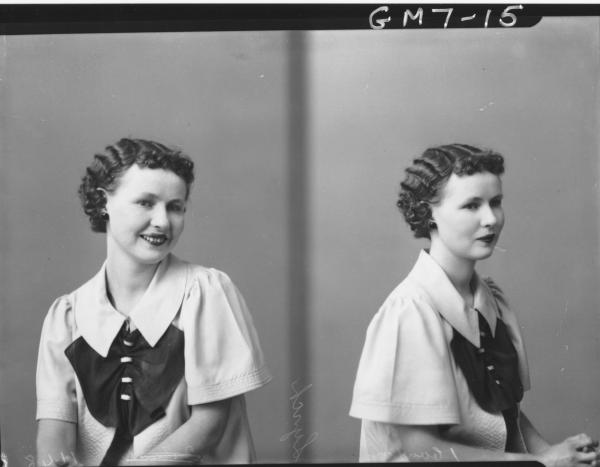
(159,216)
(489,216)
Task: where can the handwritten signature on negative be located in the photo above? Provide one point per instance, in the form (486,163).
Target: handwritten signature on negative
(300,441)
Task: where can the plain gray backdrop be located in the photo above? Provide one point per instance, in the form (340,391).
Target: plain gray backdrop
(300,141)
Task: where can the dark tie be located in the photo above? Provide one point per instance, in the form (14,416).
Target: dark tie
(132,386)
(492,373)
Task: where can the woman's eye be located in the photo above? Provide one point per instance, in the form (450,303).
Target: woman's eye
(145,203)
(177,207)
(471,206)
(496,203)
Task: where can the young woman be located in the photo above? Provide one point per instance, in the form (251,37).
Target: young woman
(149,360)
(443,368)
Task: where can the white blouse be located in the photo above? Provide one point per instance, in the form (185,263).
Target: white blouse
(407,374)
(222,354)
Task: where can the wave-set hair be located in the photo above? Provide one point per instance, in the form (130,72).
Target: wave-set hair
(106,169)
(430,172)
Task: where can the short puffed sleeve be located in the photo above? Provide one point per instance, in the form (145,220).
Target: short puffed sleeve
(405,374)
(222,353)
(55,378)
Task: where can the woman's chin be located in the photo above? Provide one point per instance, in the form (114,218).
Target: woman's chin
(151,257)
(485,253)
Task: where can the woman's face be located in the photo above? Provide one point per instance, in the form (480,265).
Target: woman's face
(469,216)
(145,214)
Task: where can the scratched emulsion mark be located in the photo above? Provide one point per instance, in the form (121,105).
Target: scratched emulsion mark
(163,458)
(170,458)
(435,455)
(486,106)
(49,461)
(561,324)
(300,441)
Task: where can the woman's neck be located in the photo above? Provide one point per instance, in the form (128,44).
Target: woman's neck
(459,270)
(127,281)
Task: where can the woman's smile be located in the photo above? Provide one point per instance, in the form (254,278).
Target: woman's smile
(155,239)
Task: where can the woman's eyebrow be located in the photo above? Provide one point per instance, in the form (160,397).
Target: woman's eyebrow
(148,194)
(479,198)
(472,198)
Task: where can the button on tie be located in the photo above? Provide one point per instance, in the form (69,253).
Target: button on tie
(126,379)
(125,359)
(127,343)
(125,397)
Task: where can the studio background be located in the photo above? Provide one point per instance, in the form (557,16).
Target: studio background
(300,140)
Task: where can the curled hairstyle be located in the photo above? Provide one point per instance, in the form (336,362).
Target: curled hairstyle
(429,173)
(107,168)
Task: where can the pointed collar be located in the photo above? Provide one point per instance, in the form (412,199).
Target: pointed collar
(449,303)
(99,322)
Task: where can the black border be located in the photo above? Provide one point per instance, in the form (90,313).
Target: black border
(18,19)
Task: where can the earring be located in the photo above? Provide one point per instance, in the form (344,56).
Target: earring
(432,225)
(104,214)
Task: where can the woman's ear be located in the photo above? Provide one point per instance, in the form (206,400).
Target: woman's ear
(103,194)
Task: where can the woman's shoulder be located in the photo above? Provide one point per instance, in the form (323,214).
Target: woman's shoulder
(408,294)
(88,287)
(200,270)
(60,313)
(205,282)
(206,276)
(408,302)
(495,289)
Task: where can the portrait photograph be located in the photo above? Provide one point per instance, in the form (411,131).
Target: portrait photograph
(289,182)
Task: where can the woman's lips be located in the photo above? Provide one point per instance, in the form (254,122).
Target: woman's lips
(155,239)
(487,238)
